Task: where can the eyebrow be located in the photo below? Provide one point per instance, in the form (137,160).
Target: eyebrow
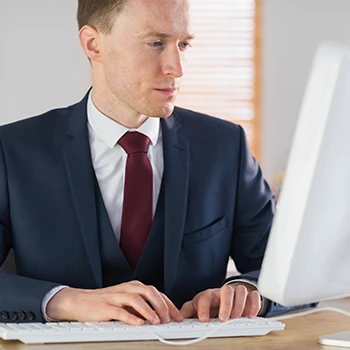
(163,35)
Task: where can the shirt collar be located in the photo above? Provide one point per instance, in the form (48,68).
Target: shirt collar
(111,131)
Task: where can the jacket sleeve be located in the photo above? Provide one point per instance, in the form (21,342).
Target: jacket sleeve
(254,211)
(255,208)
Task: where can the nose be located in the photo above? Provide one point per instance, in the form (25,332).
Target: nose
(173,63)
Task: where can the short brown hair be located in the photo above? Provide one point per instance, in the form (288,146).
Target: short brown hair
(98,13)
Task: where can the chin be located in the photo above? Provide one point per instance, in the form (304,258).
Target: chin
(163,112)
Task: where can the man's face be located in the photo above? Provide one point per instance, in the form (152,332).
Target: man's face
(142,58)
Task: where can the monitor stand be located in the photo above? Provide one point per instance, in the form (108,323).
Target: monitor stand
(336,339)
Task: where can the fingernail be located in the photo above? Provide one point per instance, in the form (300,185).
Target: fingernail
(223,317)
(203,318)
(140,323)
(156,320)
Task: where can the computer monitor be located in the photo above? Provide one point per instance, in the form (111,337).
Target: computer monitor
(308,252)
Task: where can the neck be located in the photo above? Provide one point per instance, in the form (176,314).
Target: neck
(113,109)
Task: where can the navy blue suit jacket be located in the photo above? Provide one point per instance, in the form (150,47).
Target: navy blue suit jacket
(217,205)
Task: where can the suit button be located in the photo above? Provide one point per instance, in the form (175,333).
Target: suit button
(30,316)
(13,316)
(21,315)
(4,315)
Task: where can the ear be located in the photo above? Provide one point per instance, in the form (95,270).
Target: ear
(90,41)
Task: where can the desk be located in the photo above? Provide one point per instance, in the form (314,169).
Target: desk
(300,333)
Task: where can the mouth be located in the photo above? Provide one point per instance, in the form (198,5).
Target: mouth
(167,91)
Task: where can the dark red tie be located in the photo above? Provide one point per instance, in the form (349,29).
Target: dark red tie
(138,192)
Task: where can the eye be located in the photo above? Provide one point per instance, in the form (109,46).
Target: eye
(156,44)
(185,45)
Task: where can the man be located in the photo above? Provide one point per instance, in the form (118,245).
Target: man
(122,207)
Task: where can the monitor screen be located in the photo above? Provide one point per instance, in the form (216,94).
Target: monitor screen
(308,252)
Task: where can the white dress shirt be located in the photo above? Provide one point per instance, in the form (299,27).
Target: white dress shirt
(109,159)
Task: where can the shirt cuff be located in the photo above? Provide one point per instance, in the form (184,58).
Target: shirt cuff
(264,301)
(48,296)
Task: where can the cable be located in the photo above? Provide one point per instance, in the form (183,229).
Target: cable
(197,340)
(278,318)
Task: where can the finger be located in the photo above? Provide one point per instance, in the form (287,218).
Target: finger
(120,314)
(204,303)
(157,301)
(239,301)
(138,303)
(187,310)
(226,302)
(174,312)
(153,297)
(133,312)
(253,304)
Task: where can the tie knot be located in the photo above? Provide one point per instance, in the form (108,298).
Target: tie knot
(134,142)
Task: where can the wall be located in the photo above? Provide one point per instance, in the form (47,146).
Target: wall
(292,30)
(41,63)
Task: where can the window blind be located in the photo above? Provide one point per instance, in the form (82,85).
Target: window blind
(221,70)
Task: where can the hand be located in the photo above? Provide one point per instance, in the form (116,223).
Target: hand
(230,301)
(131,303)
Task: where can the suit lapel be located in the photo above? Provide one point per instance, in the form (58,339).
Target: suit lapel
(81,177)
(176,181)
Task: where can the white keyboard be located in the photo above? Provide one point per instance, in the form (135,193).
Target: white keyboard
(68,332)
